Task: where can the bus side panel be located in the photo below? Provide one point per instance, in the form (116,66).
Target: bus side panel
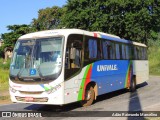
(74,87)
(110,75)
(71,90)
(110,83)
(141,70)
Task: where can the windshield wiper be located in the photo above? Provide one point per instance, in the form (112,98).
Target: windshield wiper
(40,73)
(21,69)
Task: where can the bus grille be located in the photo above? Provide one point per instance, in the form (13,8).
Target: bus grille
(30,93)
(23,99)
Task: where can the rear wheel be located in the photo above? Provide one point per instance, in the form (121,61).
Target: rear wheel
(133,84)
(89,96)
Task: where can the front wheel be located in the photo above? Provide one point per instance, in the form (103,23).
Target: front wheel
(133,84)
(89,96)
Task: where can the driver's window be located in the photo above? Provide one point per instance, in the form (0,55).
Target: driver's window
(73,56)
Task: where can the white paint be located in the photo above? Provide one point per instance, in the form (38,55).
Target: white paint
(101,68)
(141,70)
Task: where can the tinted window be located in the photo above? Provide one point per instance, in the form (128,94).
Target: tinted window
(117,51)
(92,48)
(123,52)
(108,50)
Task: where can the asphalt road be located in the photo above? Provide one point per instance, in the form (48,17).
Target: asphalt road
(146,98)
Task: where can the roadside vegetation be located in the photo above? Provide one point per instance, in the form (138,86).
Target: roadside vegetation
(154,57)
(154,60)
(4,73)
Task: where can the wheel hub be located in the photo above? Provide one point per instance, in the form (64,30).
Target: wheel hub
(88,95)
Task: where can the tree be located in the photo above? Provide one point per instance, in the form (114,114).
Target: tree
(85,14)
(16,31)
(48,18)
(134,20)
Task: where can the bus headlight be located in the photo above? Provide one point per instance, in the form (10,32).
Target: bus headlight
(53,89)
(12,89)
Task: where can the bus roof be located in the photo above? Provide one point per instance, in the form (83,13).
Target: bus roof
(66,32)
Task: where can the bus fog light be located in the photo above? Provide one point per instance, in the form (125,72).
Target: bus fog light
(53,89)
(12,89)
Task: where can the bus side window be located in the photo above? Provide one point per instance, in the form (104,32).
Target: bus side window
(130,52)
(138,53)
(120,50)
(145,53)
(112,51)
(123,52)
(117,51)
(127,52)
(92,48)
(108,50)
(105,50)
(135,53)
(142,52)
(99,49)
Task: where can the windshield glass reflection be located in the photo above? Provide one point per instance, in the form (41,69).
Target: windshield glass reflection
(37,58)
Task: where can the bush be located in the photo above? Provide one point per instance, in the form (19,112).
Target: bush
(5,66)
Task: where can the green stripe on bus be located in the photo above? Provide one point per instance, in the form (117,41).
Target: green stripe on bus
(83,83)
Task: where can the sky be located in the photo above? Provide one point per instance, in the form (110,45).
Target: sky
(22,11)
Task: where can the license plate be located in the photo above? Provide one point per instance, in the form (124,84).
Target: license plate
(29,99)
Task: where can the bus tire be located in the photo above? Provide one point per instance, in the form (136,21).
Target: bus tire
(89,96)
(133,85)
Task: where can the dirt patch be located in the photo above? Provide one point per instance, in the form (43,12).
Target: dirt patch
(5,98)
(8,101)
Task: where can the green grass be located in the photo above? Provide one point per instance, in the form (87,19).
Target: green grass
(4,79)
(154,60)
(4,73)
(152,118)
(7,97)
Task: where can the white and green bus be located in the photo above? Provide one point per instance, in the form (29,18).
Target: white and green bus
(68,65)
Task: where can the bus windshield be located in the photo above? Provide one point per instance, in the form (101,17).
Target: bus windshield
(37,58)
